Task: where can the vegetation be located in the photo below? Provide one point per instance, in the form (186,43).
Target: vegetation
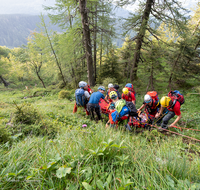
(43,145)
(73,157)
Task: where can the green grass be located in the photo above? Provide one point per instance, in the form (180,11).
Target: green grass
(96,157)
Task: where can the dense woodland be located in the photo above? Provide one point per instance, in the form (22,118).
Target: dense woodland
(160,47)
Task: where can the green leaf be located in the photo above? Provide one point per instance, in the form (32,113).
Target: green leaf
(92,151)
(12,174)
(16,136)
(87,186)
(28,177)
(100,184)
(109,178)
(62,171)
(110,142)
(121,143)
(123,147)
(121,188)
(115,145)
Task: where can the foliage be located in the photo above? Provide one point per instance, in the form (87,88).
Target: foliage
(69,156)
(26,114)
(5,135)
(64,94)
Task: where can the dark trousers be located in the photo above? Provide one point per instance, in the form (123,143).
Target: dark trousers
(94,108)
(166,119)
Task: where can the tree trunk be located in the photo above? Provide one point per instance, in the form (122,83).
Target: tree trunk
(4,81)
(87,41)
(57,62)
(40,79)
(101,51)
(140,37)
(95,44)
(174,66)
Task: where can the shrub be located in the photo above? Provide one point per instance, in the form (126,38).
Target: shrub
(26,114)
(108,80)
(28,120)
(43,128)
(61,85)
(4,134)
(40,91)
(64,94)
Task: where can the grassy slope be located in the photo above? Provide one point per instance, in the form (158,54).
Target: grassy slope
(95,157)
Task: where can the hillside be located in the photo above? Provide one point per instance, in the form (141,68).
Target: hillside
(14,29)
(54,151)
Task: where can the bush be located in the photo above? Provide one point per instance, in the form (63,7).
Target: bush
(40,91)
(64,94)
(108,80)
(28,120)
(43,128)
(26,114)
(61,85)
(4,134)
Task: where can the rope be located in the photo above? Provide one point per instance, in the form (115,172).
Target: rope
(181,128)
(177,133)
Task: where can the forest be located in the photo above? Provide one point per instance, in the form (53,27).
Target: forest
(44,145)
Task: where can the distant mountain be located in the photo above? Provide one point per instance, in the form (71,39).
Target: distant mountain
(18,18)
(15,29)
(33,7)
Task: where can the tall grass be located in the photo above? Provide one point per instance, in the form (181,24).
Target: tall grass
(96,157)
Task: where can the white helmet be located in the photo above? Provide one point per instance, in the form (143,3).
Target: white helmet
(110,85)
(82,84)
(147,98)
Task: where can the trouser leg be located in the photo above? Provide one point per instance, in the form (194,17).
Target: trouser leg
(166,119)
(87,113)
(97,110)
(158,120)
(75,108)
(90,109)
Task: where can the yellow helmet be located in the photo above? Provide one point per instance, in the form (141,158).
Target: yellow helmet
(125,91)
(113,95)
(165,101)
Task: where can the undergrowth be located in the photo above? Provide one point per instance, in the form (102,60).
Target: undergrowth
(94,157)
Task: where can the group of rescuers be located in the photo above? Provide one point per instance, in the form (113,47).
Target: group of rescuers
(153,107)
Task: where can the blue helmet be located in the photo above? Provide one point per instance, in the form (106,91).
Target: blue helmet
(129,85)
(101,88)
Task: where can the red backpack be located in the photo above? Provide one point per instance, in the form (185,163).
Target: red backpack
(130,88)
(155,102)
(176,96)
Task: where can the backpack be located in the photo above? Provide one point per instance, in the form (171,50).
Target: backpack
(130,88)
(119,105)
(154,96)
(176,96)
(80,98)
(132,109)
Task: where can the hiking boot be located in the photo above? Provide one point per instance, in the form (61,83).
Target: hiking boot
(128,128)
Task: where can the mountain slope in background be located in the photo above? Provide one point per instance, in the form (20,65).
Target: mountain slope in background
(33,7)
(18,18)
(15,29)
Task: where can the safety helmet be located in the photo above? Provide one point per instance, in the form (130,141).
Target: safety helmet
(110,85)
(147,98)
(101,88)
(165,101)
(113,95)
(82,84)
(125,91)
